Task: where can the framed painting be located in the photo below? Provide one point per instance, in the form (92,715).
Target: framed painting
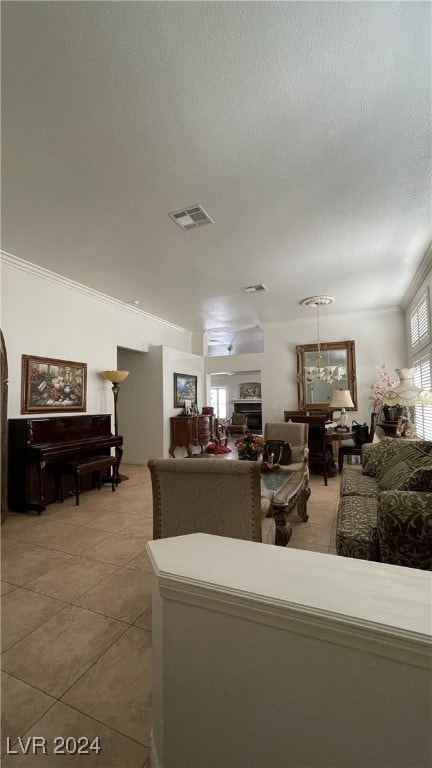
(48,384)
(185,388)
(250,390)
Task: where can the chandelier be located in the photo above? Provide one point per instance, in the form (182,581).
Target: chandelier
(328,374)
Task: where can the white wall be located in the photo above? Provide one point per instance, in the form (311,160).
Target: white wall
(379,337)
(46,315)
(176,361)
(232,384)
(140,404)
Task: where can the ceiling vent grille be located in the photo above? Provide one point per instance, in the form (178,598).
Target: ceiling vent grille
(255,288)
(192,217)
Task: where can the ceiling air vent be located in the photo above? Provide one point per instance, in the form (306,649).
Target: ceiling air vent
(192,217)
(255,288)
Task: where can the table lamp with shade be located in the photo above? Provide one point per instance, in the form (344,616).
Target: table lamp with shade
(405,396)
(340,400)
(406,393)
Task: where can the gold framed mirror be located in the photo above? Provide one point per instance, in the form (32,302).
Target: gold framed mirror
(337,371)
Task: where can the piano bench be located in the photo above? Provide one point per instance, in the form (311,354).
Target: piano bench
(84,467)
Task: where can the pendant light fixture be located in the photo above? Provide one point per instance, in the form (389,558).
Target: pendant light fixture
(325,373)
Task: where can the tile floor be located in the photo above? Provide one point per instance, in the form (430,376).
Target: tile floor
(76,621)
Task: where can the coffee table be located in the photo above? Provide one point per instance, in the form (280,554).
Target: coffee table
(291,491)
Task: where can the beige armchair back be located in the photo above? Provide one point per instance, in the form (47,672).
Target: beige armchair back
(294,434)
(210,496)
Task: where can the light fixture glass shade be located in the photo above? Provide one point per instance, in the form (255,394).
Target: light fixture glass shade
(341,398)
(406,392)
(320,371)
(115,377)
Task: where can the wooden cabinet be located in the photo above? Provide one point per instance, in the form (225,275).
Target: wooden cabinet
(187,431)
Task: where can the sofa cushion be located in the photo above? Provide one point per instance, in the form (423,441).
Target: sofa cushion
(357,528)
(398,470)
(353,483)
(404,528)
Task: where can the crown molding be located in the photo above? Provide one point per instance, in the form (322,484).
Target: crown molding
(341,316)
(420,276)
(53,277)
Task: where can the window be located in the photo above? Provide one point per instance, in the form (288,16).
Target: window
(423,414)
(421,355)
(218,400)
(420,323)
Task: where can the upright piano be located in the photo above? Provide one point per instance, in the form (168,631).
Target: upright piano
(37,445)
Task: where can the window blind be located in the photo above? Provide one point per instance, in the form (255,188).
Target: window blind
(423,413)
(420,323)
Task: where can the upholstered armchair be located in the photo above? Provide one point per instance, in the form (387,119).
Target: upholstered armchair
(294,434)
(223,498)
(319,455)
(237,424)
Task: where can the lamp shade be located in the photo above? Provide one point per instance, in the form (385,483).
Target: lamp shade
(115,377)
(341,398)
(406,392)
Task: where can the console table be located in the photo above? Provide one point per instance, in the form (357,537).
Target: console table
(187,431)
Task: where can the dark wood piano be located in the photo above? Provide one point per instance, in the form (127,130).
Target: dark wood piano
(37,445)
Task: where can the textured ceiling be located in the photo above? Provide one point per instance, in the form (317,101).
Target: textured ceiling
(301,127)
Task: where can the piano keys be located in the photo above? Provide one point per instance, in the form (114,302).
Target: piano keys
(36,446)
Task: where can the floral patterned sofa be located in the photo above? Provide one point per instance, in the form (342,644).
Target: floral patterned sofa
(385,511)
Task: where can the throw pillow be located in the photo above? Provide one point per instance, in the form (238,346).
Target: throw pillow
(410,458)
(375,455)
(390,452)
(419,480)
(399,449)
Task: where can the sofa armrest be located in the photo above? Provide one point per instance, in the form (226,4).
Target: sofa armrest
(404,527)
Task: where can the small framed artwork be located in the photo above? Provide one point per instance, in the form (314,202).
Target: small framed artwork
(185,388)
(250,390)
(48,384)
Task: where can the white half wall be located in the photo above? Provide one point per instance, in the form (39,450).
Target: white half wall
(264,656)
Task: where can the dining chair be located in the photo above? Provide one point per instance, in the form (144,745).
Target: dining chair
(351,449)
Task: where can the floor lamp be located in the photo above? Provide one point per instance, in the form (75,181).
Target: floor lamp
(116,378)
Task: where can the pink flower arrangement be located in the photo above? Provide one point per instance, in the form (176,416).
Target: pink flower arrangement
(385,383)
